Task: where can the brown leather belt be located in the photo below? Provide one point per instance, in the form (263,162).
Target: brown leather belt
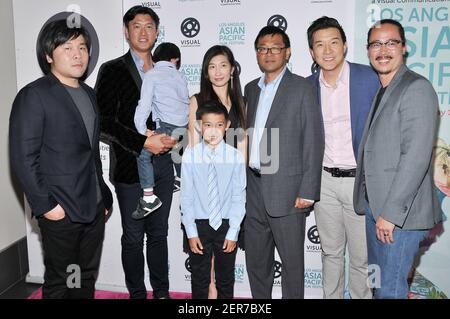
(337,172)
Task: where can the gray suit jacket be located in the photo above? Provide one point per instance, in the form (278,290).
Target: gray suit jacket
(395,155)
(297,153)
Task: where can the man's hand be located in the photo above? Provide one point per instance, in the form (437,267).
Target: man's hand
(228,246)
(159,143)
(149,133)
(56,213)
(196,245)
(385,231)
(303,203)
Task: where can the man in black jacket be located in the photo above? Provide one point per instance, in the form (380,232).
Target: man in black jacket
(118,91)
(54,146)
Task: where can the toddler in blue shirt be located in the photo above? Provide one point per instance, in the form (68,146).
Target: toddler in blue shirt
(164,95)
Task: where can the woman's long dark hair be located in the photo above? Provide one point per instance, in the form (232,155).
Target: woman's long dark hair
(234,85)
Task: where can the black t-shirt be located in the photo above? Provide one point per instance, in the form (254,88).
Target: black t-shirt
(377,102)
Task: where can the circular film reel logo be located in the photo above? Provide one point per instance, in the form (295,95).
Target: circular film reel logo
(313,235)
(278,21)
(277,269)
(190,27)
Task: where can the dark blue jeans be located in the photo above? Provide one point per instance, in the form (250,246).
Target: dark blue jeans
(394,260)
(145,159)
(155,227)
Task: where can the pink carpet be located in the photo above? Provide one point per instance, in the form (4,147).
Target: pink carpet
(100,294)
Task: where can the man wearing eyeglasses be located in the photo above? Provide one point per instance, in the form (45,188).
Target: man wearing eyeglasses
(285,163)
(394,183)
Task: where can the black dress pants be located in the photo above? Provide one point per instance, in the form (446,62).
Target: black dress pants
(212,242)
(72,254)
(155,227)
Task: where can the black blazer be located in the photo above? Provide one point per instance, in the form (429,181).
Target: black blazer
(51,153)
(118,90)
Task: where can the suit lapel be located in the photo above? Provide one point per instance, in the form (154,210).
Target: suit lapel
(369,126)
(366,128)
(253,105)
(94,106)
(355,86)
(316,83)
(395,81)
(60,92)
(279,98)
(131,66)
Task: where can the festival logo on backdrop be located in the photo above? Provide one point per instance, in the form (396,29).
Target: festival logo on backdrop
(187,265)
(239,273)
(277,273)
(190,28)
(230,2)
(192,73)
(314,240)
(155,5)
(232,33)
(278,21)
(313,278)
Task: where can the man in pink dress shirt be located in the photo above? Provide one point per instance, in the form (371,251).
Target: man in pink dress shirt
(345,91)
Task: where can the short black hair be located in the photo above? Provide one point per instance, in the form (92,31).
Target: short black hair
(401,30)
(321,24)
(134,11)
(272,30)
(167,51)
(211,107)
(52,36)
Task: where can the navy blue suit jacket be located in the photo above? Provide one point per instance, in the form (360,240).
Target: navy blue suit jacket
(364,85)
(51,153)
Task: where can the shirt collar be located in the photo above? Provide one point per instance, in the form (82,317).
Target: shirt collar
(137,60)
(208,150)
(165,64)
(343,77)
(262,81)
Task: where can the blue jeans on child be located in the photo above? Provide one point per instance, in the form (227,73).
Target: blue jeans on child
(394,260)
(144,160)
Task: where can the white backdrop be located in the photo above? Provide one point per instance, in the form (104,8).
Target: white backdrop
(231,22)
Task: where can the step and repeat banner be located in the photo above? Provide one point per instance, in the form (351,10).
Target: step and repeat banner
(196,25)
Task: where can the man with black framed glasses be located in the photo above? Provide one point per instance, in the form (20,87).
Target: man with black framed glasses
(285,163)
(394,182)
(389,44)
(274,50)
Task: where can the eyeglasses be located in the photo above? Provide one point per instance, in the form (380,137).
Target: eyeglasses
(274,50)
(390,45)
